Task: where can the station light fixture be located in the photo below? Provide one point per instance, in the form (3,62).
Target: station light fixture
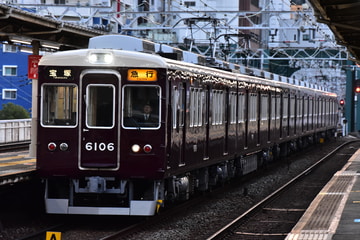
(51,45)
(26,49)
(20,40)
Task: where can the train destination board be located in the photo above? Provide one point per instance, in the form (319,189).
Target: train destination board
(142,75)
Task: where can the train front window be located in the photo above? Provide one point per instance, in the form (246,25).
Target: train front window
(100,106)
(59,105)
(141,105)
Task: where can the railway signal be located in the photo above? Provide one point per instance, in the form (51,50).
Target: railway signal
(357,86)
(342,102)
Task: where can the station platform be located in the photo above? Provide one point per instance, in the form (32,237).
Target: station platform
(16,167)
(335,213)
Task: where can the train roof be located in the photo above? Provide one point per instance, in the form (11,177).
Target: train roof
(85,57)
(125,58)
(130,43)
(173,64)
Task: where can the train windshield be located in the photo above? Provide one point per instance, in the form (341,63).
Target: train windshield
(100,106)
(59,105)
(141,105)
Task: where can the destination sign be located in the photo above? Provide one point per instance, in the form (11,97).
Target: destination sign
(142,75)
(60,73)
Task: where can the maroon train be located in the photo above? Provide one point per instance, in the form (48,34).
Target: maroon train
(120,132)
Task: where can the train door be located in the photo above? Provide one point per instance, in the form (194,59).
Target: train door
(99,134)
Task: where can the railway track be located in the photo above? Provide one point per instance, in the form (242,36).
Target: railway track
(6,147)
(274,216)
(106,228)
(85,227)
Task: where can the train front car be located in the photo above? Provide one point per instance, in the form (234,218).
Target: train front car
(101,132)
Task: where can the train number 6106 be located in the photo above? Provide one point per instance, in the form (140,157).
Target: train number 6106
(94,146)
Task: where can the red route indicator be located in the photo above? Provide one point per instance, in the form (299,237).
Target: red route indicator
(33,63)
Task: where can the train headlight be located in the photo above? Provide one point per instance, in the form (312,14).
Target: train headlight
(135,148)
(100,58)
(52,146)
(64,146)
(147,148)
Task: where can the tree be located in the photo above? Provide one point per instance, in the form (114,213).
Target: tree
(13,111)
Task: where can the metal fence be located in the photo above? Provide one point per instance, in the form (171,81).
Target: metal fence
(16,130)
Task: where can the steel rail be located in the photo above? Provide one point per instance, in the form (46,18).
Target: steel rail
(273,195)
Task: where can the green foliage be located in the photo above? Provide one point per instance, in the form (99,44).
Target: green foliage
(13,111)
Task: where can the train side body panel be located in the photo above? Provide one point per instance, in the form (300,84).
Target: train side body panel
(120,132)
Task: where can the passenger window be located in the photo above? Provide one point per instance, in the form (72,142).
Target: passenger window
(196,107)
(241,107)
(217,107)
(253,107)
(175,106)
(232,107)
(264,115)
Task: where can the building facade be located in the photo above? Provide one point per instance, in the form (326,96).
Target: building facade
(274,35)
(15,87)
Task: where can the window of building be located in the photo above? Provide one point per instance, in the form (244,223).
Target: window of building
(9,48)
(9,70)
(255,3)
(306,37)
(59,1)
(10,94)
(190,4)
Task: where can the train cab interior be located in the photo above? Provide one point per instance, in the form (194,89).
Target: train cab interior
(141,106)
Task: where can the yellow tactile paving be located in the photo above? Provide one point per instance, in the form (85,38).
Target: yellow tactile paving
(3,164)
(16,162)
